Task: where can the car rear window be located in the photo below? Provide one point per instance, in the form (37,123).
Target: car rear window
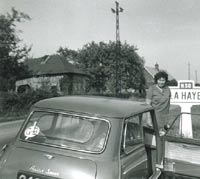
(67,131)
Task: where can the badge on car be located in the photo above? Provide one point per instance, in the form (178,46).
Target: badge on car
(48,156)
(32,131)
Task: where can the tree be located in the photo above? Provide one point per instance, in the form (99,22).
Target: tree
(173,82)
(11,54)
(132,68)
(99,60)
(94,58)
(70,55)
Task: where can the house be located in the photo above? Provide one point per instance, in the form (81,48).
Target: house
(149,73)
(53,72)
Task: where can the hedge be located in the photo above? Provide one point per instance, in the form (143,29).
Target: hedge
(14,104)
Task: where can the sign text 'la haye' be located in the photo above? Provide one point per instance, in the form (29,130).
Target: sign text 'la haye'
(186,92)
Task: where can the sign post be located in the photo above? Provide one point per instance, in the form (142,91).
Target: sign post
(186,94)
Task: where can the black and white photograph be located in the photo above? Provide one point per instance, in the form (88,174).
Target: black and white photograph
(99,89)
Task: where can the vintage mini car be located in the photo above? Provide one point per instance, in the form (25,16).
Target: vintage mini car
(84,137)
(181,149)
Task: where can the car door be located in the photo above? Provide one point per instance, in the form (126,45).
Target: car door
(133,157)
(181,156)
(151,139)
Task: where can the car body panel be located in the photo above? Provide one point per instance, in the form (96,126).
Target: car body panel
(99,106)
(49,164)
(135,164)
(46,160)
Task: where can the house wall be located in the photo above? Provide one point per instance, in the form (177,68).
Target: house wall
(39,82)
(75,84)
(65,84)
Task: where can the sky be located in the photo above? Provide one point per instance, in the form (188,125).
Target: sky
(166,32)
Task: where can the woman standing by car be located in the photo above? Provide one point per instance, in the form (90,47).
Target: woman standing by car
(158,96)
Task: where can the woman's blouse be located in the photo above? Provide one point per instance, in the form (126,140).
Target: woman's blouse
(160,99)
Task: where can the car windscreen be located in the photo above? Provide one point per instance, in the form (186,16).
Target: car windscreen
(185,126)
(66,131)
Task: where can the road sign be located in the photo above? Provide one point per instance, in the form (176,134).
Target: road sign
(186,94)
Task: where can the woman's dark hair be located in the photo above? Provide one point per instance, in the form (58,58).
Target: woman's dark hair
(160,74)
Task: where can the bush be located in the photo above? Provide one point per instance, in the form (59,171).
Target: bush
(18,104)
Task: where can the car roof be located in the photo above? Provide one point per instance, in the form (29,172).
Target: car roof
(93,105)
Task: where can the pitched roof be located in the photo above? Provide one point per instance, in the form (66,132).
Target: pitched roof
(152,71)
(52,65)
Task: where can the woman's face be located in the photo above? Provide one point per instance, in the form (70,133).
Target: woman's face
(161,82)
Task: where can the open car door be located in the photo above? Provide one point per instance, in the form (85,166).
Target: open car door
(181,155)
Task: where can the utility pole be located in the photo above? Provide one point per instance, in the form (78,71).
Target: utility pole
(196,77)
(188,70)
(117,10)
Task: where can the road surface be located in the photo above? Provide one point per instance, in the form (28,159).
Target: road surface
(8,130)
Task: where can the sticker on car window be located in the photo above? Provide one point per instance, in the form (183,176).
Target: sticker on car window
(32,131)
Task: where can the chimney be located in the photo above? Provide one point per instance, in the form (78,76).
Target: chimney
(157,66)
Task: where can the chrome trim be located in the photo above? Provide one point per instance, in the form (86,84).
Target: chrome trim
(66,147)
(134,166)
(126,120)
(125,130)
(4,147)
(48,156)
(156,174)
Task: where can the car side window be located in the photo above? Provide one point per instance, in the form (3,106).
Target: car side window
(147,120)
(132,133)
(148,130)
